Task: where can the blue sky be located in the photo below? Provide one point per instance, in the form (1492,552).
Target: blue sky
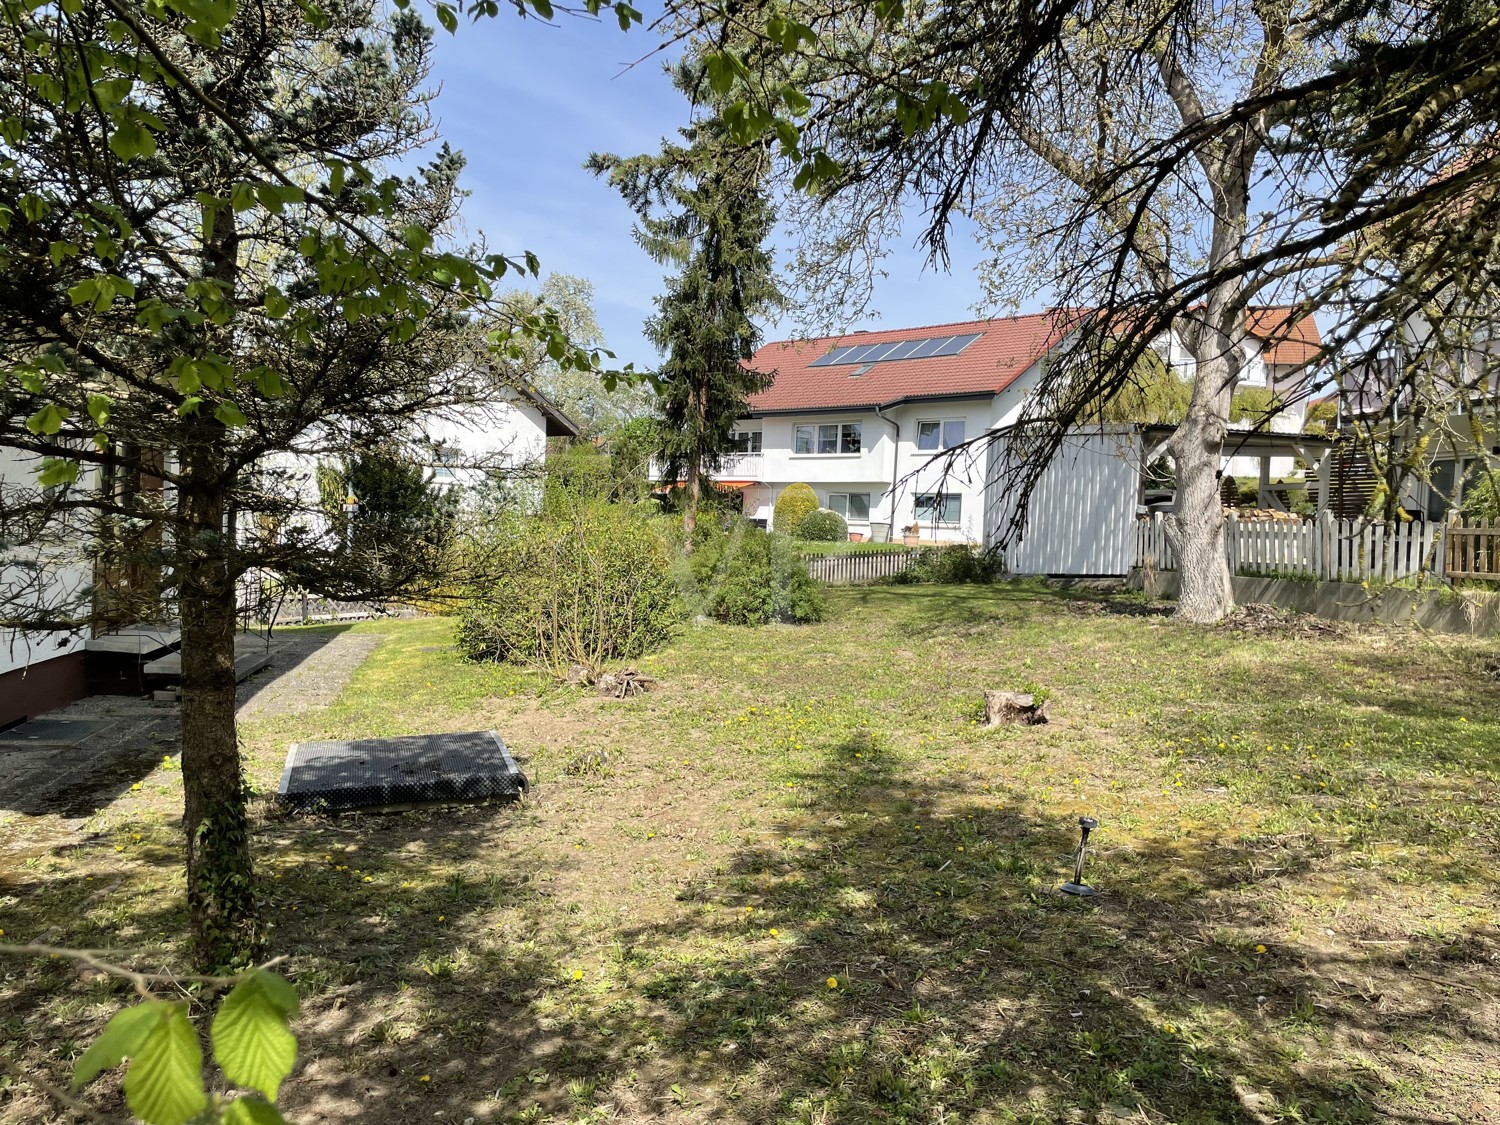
(526,103)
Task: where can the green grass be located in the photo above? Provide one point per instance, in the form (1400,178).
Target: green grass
(806,886)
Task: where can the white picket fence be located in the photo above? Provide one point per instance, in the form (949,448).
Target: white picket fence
(1324,548)
(860,566)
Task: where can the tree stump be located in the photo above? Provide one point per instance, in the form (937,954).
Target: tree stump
(1012,707)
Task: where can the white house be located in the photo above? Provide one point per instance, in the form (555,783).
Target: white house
(39,671)
(864,418)
(510,437)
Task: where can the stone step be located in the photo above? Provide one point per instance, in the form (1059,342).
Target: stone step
(250,656)
(136,640)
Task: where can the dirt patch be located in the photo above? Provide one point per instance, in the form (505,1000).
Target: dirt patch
(1262,619)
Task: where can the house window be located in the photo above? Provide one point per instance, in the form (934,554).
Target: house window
(829,437)
(943,434)
(850,505)
(945,507)
(744,441)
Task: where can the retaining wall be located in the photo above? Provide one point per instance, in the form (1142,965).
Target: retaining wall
(1442,611)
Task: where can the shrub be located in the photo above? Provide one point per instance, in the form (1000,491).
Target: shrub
(823,526)
(748,577)
(951,565)
(578,584)
(1482,497)
(792,506)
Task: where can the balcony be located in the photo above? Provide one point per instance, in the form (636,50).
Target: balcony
(736,466)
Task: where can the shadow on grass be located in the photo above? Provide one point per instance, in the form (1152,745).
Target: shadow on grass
(923,968)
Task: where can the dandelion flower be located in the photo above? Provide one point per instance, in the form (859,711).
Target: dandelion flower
(774,932)
(425,1078)
(136,787)
(1169,1028)
(832,982)
(577,974)
(1260,949)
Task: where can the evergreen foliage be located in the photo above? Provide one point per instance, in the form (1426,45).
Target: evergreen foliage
(796,503)
(746,576)
(703,209)
(823,526)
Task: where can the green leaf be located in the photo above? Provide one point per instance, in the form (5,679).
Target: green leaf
(131,139)
(189,405)
(252,1111)
(127,1028)
(164,1085)
(99,407)
(230,414)
(47,420)
(251,1040)
(85,291)
(56,471)
(447,17)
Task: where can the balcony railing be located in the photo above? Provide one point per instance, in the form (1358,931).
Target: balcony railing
(736,466)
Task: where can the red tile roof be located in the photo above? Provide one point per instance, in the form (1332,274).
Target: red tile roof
(1288,342)
(1005,349)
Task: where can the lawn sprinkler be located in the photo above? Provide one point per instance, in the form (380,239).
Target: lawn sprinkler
(1076,886)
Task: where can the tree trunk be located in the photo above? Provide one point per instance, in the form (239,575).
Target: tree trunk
(221,898)
(1195,527)
(690,507)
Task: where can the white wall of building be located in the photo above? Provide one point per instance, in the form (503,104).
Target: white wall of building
(65,577)
(886,458)
(506,437)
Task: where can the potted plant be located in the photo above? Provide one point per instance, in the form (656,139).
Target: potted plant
(856,537)
(911,535)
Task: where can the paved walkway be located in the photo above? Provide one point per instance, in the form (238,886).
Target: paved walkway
(87,754)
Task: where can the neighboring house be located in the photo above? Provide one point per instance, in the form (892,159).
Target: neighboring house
(1457,439)
(862,417)
(39,671)
(509,438)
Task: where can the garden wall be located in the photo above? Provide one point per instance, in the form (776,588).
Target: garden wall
(1442,611)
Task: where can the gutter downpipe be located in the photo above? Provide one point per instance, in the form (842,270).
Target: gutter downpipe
(895,461)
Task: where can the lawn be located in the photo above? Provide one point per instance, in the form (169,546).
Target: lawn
(800,883)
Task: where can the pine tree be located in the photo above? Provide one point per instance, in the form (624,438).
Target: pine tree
(704,208)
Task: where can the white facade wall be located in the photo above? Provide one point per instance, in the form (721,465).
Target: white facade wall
(66,577)
(885,458)
(507,437)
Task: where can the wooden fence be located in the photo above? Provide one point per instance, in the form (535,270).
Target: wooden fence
(1472,549)
(1340,550)
(859,566)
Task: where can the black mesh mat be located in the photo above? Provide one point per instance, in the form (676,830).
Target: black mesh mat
(383,772)
(54,730)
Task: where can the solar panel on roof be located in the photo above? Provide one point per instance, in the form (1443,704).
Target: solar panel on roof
(955,344)
(857,354)
(929,347)
(831,359)
(860,353)
(901,351)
